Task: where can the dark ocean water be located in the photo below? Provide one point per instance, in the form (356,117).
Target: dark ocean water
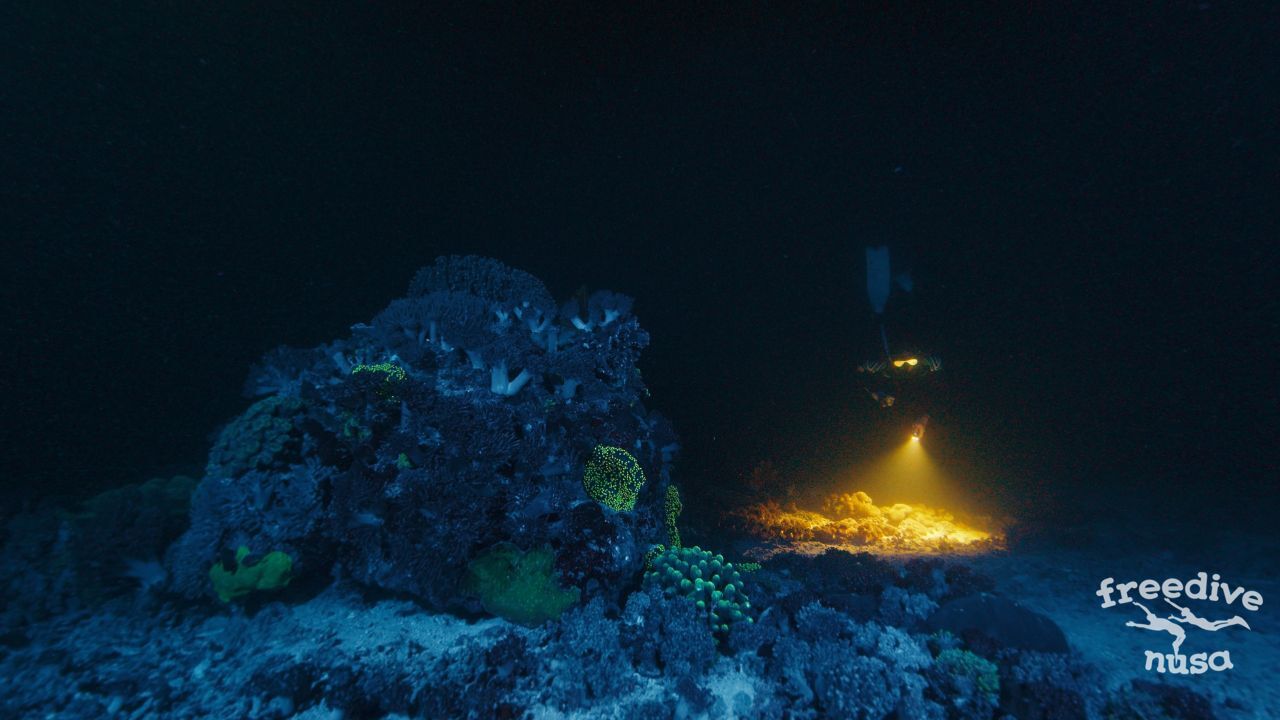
(1085,199)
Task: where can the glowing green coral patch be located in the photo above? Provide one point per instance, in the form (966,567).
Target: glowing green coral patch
(518,586)
(272,572)
(673,510)
(389,376)
(713,585)
(390,371)
(613,478)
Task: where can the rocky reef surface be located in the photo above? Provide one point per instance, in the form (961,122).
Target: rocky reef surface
(464,509)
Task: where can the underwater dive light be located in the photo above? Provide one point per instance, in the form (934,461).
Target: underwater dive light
(917,429)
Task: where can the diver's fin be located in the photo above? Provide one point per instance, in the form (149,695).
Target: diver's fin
(878,277)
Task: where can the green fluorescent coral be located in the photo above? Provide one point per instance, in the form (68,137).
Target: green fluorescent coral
(673,510)
(389,374)
(518,586)
(272,572)
(390,371)
(613,478)
(980,671)
(652,554)
(714,585)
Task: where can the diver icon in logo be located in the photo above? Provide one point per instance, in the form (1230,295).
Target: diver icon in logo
(1189,618)
(1155,622)
(1186,617)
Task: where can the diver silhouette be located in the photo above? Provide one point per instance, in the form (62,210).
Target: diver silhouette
(1155,622)
(1189,618)
(885,376)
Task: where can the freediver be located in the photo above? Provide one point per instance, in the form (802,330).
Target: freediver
(1187,617)
(1155,622)
(884,375)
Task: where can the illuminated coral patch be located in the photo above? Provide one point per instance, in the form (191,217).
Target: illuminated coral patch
(854,520)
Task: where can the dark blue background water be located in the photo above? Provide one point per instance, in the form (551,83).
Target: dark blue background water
(1087,201)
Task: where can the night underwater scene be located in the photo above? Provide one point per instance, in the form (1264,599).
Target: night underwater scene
(611,361)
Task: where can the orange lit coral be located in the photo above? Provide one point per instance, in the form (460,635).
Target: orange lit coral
(854,520)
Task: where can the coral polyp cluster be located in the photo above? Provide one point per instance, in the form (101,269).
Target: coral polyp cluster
(706,579)
(613,478)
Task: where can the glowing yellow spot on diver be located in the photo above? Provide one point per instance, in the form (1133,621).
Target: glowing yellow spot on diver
(915,438)
(907,361)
